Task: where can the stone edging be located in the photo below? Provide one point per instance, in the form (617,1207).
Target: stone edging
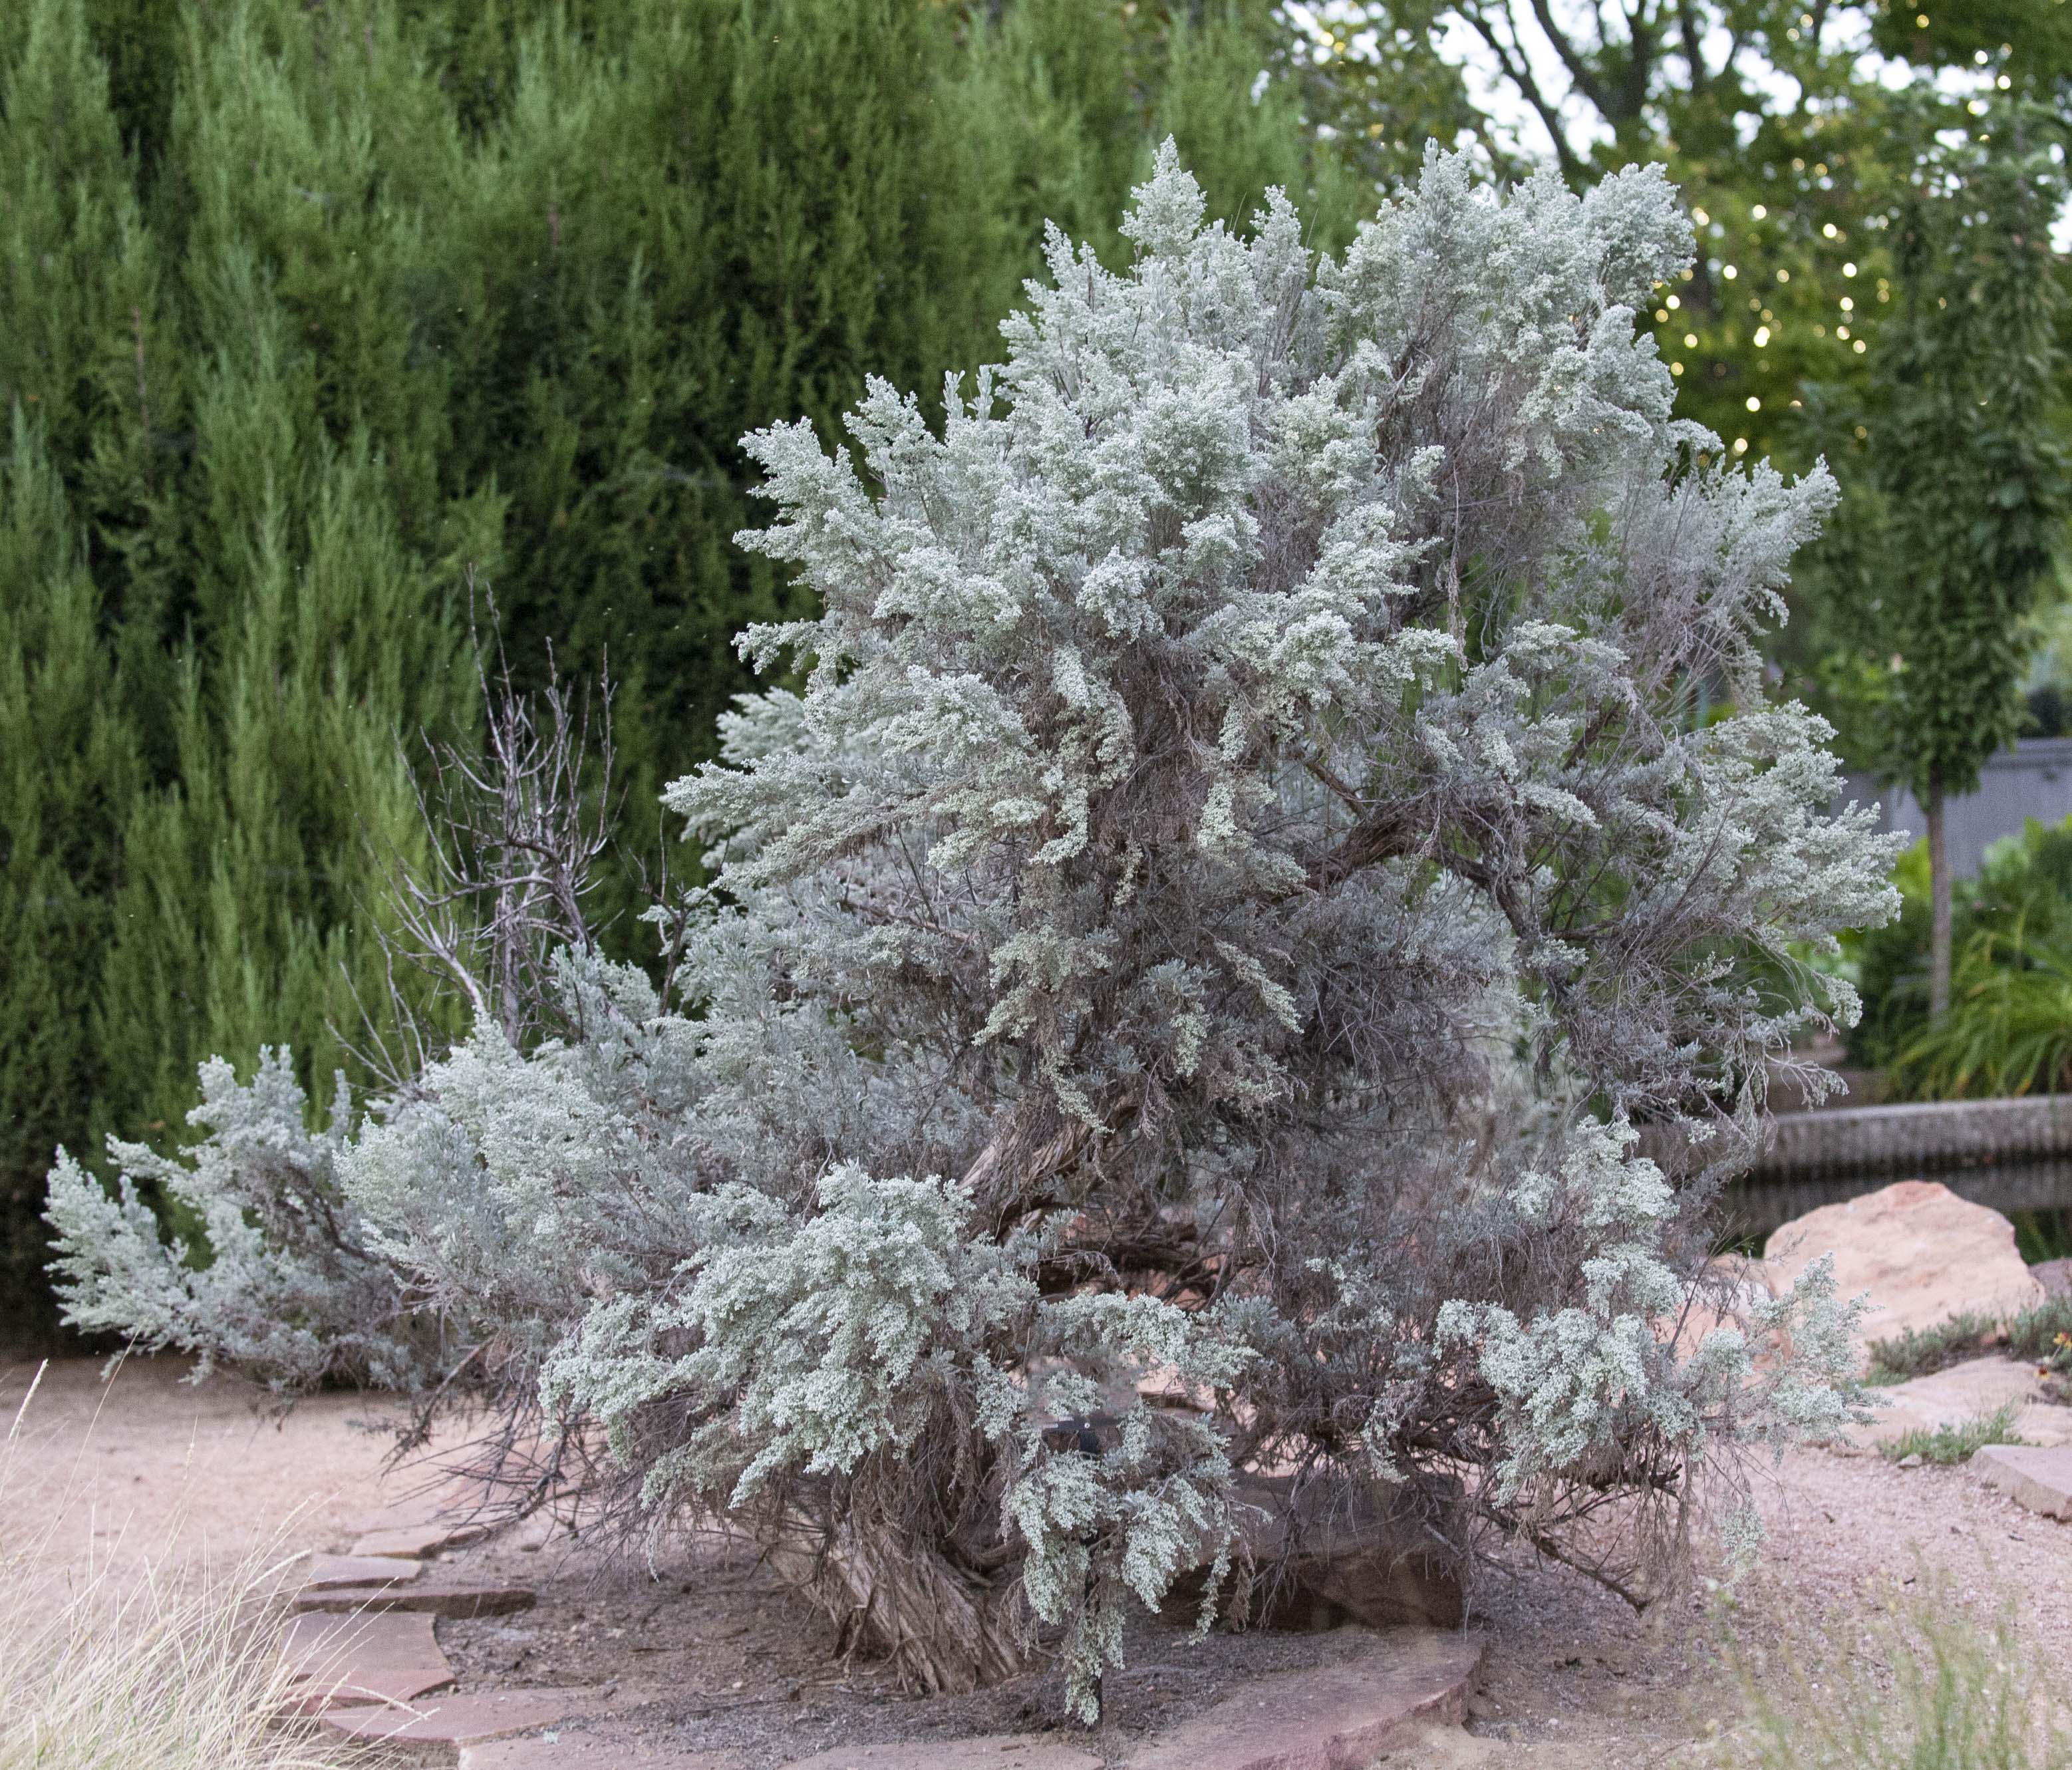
(1929,1137)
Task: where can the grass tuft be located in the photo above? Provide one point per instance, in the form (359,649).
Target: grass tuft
(108,1663)
(1948,1444)
(1928,1688)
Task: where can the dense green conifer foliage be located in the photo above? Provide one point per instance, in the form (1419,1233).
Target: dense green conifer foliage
(309,310)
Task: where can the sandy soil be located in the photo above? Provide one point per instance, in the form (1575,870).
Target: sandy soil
(146,1463)
(1574,1681)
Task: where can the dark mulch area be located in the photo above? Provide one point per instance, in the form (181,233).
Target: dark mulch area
(740,1663)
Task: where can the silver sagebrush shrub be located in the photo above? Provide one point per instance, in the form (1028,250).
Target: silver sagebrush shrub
(1181,993)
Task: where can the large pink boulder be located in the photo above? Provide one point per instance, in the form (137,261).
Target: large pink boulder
(1921,1252)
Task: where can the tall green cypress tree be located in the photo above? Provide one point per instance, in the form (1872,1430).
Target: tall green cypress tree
(68,769)
(78,366)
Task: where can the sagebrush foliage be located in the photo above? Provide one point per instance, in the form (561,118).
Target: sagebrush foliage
(1192,959)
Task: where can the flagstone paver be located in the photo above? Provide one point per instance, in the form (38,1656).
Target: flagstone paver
(594,1748)
(1332,1718)
(341,1661)
(313,1643)
(418,1542)
(2037,1476)
(360,1686)
(326,1573)
(994,1751)
(436,1729)
(440,1598)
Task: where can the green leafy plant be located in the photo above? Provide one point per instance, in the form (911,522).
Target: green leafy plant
(2043,1335)
(1958,1443)
(2009,1030)
(2018,908)
(1919,1352)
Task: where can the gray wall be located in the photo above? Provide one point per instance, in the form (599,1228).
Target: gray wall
(2034,779)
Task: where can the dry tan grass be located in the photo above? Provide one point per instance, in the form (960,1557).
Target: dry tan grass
(1928,1686)
(133,1656)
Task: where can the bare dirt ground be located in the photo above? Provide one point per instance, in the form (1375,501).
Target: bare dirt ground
(1574,1679)
(146,1463)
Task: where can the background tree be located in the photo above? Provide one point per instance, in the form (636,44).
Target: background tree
(1967,475)
(1788,124)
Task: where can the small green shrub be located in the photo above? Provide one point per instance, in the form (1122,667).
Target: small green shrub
(2009,1027)
(1948,1444)
(2043,1335)
(2015,916)
(1919,1352)
(1931,1689)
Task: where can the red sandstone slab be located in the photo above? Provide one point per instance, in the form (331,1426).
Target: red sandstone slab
(417,1542)
(611,1748)
(327,1573)
(1335,1718)
(439,1600)
(357,1686)
(341,1661)
(2034,1476)
(422,1498)
(313,1644)
(993,1751)
(437,1728)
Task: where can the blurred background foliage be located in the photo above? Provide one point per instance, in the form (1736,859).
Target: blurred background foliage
(2009,1028)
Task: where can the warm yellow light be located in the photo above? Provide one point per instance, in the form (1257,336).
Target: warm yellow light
(1754,405)
(1849,270)
(1690,341)
(1676,368)
(1730,273)
(1699,216)
(1859,346)
(1849,305)
(1741,446)
(1762,336)
(1758,212)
